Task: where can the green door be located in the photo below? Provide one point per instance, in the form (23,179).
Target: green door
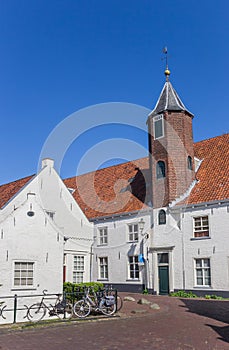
(163,274)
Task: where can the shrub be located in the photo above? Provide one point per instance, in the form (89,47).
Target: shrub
(75,291)
(183,294)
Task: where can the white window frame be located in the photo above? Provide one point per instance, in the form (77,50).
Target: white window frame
(133,235)
(103,268)
(103,235)
(201,272)
(24,275)
(133,267)
(78,268)
(156,119)
(200,230)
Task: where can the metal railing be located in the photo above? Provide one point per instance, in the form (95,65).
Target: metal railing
(14,308)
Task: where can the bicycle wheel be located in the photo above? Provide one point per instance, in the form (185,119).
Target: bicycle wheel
(82,308)
(65,312)
(36,312)
(107,310)
(119,303)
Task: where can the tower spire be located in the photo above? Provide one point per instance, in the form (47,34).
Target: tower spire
(167,71)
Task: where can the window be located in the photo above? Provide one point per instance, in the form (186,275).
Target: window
(158,126)
(103,235)
(162,217)
(189,163)
(160,169)
(133,232)
(103,268)
(201,227)
(133,267)
(203,272)
(163,258)
(23,274)
(78,269)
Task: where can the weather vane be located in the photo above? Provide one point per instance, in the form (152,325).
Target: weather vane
(167,71)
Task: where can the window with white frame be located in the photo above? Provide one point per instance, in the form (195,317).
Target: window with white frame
(23,274)
(133,267)
(201,226)
(103,267)
(203,272)
(103,236)
(133,232)
(78,269)
(158,126)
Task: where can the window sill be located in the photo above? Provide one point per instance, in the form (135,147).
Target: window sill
(203,287)
(102,279)
(23,288)
(199,238)
(133,280)
(102,245)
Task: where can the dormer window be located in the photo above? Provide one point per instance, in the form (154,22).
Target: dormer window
(162,217)
(158,126)
(189,163)
(160,169)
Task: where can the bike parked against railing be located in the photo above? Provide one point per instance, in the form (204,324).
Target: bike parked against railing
(60,308)
(118,300)
(97,301)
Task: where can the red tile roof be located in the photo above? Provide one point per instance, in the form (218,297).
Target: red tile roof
(125,187)
(117,189)
(7,191)
(213,174)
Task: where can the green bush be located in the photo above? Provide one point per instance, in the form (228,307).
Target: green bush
(183,294)
(75,291)
(213,296)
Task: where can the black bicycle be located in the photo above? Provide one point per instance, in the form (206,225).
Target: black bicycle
(60,308)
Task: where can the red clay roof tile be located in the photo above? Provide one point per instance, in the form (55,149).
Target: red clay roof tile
(125,187)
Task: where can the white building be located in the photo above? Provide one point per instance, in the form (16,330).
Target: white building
(159,223)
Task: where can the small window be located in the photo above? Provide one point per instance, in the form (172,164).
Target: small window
(133,267)
(162,217)
(203,272)
(160,169)
(201,226)
(78,269)
(133,233)
(23,274)
(103,236)
(103,268)
(163,258)
(158,126)
(189,163)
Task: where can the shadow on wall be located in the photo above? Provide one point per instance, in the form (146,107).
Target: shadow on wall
(215,309)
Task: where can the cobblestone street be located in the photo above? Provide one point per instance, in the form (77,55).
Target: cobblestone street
(177,325)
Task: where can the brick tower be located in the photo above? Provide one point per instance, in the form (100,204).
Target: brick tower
(171,152)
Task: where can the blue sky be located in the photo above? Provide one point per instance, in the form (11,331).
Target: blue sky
(60,56)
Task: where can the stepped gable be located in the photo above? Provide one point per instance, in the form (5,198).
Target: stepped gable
(7,191)
(117,189)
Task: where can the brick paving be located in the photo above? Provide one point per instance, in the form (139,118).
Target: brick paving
(179,324)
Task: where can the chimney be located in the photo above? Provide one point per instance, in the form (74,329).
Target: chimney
(47,162)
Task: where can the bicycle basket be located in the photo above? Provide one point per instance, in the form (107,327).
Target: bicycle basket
(109,300)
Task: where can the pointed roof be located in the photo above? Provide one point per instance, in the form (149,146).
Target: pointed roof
(169,101)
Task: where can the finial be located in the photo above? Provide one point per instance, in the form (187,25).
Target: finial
(167,71)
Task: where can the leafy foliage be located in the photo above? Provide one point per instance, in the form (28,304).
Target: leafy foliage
(75,291)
